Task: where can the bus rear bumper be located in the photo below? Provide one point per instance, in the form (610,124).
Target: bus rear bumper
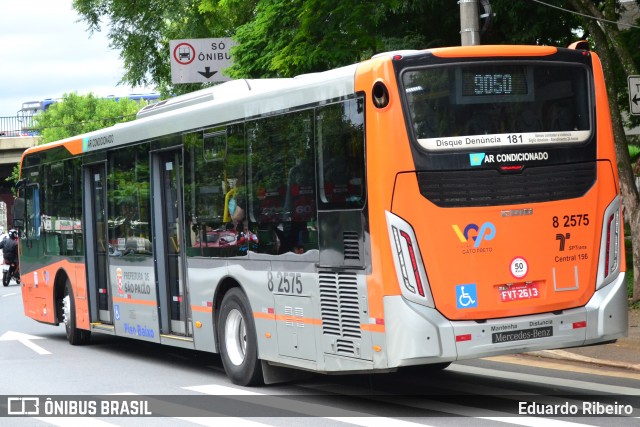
(422,335)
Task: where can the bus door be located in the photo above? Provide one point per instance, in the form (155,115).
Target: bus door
(168,241)
(97,243)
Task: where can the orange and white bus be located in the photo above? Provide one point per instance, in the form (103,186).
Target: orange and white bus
(418,208)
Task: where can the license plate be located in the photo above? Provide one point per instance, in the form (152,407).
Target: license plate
(522,334)
(519,291)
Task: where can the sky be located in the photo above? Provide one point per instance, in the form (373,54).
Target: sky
(45,52)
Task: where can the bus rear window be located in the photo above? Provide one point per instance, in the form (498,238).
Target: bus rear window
(492,104)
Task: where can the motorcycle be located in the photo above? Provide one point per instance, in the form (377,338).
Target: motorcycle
(10,271)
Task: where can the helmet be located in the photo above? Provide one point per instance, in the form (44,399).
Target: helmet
(13,234)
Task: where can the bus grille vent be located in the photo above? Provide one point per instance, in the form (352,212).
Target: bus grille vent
(293,316)
(489,187)
(340,308)
(345,347)
(351,245)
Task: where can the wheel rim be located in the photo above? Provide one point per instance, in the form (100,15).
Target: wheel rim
(66,310)
(235,337)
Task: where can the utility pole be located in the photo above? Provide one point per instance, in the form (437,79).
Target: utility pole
(469,22)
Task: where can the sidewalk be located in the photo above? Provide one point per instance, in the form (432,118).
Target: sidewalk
(624,353)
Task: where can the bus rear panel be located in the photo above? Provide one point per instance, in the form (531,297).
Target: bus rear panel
(505,225)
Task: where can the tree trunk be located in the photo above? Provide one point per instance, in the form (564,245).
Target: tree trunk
(628,188)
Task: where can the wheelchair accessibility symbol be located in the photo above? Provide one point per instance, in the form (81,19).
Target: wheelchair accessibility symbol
(466,296)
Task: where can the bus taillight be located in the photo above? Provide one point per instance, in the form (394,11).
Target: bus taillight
(612,244)
(408,261)
(609,263)
(414,264)
(607,258)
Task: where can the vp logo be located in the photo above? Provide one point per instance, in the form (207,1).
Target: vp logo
(486,231)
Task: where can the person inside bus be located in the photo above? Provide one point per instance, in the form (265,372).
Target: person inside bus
(247,240)
(234,208)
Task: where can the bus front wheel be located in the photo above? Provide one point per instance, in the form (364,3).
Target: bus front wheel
(75,335)
(238,341)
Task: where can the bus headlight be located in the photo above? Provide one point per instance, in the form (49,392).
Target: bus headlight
(408,261)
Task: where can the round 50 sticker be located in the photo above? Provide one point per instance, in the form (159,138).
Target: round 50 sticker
(519,267)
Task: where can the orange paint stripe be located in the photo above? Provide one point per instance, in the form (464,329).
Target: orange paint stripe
(202,309)
(372,328)
(310,321)
(286,318)
(135,301)
(261,315)
(305,320)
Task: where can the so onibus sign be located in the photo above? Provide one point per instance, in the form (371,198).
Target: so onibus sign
(200,60)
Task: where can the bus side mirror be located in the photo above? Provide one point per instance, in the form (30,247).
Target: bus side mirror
(18,212)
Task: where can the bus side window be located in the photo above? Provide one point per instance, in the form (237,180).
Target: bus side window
(340,142)
(32,221)
(282,182)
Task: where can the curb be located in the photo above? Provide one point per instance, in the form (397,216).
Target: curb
(565,355)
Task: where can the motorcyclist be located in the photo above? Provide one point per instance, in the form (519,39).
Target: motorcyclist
(9,248)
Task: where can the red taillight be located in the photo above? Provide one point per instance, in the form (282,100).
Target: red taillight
(466,337)
(414,263)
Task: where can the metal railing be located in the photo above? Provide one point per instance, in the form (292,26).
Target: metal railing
(16,126)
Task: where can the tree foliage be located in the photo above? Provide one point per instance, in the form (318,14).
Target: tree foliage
(76,114)
(276,37)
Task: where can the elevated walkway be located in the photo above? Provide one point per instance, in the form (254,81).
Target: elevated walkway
(12,147)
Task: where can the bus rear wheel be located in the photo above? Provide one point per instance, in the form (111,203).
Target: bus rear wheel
(75,335)
(238,341)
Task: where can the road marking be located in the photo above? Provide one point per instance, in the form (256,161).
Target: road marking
(24,339)
(308,409)
(548,381)
(605,371)
(222,421)
(534,422)
(74,422)
(220,390)
(8,295)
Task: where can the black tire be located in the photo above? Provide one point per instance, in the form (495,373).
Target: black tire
(238,341)
(75,335)
(5,278)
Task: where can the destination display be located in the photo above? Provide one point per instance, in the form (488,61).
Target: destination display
(494,83)
(489,81)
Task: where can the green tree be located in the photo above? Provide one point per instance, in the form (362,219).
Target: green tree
(141,32)
(76,114)
(276,37)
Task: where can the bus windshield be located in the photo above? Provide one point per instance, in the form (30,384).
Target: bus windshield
(494,104)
